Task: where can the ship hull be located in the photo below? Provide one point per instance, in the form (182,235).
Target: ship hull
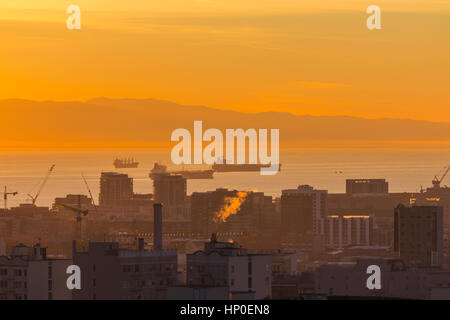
(240,167)
(201,174)
(126,166)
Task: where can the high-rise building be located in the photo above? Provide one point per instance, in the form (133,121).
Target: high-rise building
(115,188)
(418,235)
(302,209)
(170,190)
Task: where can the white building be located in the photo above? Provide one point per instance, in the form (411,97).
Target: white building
(29,274)
(342,231)
(225,264)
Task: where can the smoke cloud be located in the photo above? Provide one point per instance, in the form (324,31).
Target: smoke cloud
(230,207)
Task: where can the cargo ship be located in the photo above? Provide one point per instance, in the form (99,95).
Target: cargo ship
(187,174)
(125,163)
(240,167)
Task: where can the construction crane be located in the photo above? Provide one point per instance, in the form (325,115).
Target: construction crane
(6,194)
(79,214)
(34,198)
(437,182)
(89,190)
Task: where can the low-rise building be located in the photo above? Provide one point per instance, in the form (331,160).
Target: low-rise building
(226,264)
(29,274)
(397,280)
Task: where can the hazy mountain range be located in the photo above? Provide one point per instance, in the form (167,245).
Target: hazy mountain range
(133,120)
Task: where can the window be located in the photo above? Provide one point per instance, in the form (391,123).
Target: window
(249,283)
(50,285)
(126,268)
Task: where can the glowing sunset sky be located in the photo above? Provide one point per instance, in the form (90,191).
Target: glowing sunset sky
(305,57)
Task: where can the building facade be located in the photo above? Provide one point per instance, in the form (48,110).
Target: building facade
(302,209)
(358,186)
(419,235)
(397,280)
(224,264)
(29,274)
(115,188)
(111,273)
(341,231)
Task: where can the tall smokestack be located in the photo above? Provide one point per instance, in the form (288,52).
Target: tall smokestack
(157,226)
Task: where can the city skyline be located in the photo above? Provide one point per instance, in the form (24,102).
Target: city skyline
(241,151)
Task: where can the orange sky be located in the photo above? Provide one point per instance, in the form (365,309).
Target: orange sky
(314,57)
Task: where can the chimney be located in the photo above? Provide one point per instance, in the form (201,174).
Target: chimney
(157,226)
(141,244)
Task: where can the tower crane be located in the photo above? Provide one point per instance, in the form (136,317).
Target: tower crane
(89,190)
(34,198)
(79,214)
(6,194)
(437,182)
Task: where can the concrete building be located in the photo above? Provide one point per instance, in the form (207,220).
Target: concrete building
(397,280)
(342,231)
(358,186)
(419,234)
(115,188)
(170,190)
(302,209)
(112,273)
(224,264)
(29,274)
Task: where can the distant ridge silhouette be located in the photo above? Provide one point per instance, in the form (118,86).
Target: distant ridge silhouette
(141,120)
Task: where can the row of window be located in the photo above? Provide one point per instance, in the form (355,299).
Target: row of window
(148,267)
(145,284)
(16,273)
